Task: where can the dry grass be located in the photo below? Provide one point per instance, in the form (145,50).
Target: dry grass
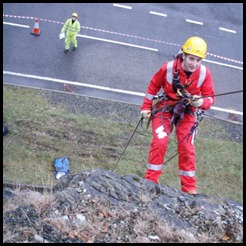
(101,218)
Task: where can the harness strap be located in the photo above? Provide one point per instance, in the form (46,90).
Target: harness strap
(172,78)
(200,116)
(179,110)
(178,87)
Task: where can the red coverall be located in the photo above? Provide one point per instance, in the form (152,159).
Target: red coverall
(201,84)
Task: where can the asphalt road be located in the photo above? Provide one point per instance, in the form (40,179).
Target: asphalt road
(121,47)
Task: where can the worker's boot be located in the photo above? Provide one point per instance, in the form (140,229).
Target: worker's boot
(192,192)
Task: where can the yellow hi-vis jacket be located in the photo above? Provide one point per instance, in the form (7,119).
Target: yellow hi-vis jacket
(70,27)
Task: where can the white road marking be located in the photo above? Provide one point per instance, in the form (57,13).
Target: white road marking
(121,6)
(156,13)
(194,22)
(100,88)
(13,24)
(116,42)
(226,30)
(121,43)
(73,83)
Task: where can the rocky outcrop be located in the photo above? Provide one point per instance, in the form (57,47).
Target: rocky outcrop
(118,203)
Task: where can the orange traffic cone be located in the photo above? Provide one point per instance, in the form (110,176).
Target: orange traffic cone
(36,31)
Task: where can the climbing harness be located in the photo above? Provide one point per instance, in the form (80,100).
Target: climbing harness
(178,108)
(178,87)
(156,101)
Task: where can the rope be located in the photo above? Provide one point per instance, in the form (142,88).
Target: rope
(183,102)
(193,128)
(223,94)
(179,110)
(128,143)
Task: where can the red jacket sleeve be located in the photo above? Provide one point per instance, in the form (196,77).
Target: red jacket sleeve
(207,91)
(154,87)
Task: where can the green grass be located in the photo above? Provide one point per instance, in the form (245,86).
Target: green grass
(40,132)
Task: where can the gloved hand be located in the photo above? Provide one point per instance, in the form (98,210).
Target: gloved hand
(196,102)
(62,35)
(146,113)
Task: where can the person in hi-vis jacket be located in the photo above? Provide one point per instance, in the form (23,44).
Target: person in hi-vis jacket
(193,80)
(71,28)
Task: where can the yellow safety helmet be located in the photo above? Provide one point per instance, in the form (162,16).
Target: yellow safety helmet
(75,15)
(195,46)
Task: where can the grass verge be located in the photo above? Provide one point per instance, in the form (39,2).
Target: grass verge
(41,130)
